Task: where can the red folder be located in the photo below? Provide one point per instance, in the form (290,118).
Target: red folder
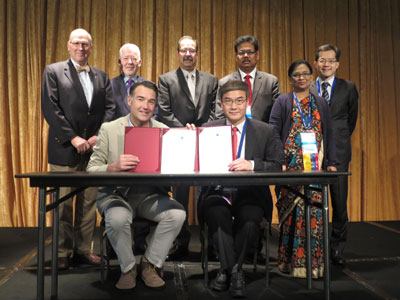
(145,143)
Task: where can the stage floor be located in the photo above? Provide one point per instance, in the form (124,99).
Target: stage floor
(372,271)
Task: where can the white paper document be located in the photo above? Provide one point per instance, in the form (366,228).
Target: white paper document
(215,149)
(178,151)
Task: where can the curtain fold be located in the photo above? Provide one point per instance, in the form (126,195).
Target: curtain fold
(34,34)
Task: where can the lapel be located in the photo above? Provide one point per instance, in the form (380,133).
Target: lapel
(123,91)
(183,84)
(337,89)
(257,86)
(199,86)
(313,88)
(72,75)
(250,138)
(93,77)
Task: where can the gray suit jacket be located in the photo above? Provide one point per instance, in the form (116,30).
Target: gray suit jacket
(109,147)
(175,104)
(265,91)
(344,111)
(120,93)
(65,109)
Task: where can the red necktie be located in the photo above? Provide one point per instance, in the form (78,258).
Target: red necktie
(248,82)
(234,142)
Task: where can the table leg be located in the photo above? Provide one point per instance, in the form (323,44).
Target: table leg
(40,254)
(325,205)
(54,252)
(308,242)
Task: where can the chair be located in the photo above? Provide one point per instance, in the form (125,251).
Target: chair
(204,252)
(105,243)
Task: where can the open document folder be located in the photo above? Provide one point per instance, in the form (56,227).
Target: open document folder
(180,150)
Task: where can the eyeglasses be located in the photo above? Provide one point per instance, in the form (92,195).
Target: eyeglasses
(238,101)
(185,50)
(298,75)
(248,52)
(78,44)
(328,61)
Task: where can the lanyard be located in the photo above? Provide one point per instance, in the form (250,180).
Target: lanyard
(306,122)
(242,139)
(319,88)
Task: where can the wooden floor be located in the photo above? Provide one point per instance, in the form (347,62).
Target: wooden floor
(372,271)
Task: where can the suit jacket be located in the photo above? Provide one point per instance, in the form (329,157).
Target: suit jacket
(281,120)
(109,147)
(175,104)
(120,94)
(65,109)
(263,148)
(344,111)
(265,91)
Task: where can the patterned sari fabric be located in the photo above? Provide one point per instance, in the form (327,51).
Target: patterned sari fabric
(291,209)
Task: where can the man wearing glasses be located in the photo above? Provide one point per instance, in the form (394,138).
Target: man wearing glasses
(264,87)
(233,214)
(76,99)
(342,97)
(186,95)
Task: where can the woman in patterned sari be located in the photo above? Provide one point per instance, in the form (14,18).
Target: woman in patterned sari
(303,122)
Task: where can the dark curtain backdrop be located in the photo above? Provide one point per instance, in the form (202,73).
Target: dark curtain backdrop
(33,33)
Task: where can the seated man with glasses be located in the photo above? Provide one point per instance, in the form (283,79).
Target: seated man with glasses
(233,214)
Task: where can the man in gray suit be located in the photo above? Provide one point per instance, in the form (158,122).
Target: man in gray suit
(186,95)
(264,87)
(76,100)
(129,62)
(342,97)
(119,205)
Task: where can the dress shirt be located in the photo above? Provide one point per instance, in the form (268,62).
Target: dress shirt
(86,83)
(239,136)
(191,85)
(252,74)
(329,88)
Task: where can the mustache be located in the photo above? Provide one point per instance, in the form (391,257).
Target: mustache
(188,58)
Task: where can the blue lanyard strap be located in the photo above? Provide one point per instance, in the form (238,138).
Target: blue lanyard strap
(306,122)
(319,88)
(242,139)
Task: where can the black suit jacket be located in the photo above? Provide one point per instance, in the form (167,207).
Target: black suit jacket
(120,94)
(262,147)
(344,111)
(65,109)
(175,104)
(265,91)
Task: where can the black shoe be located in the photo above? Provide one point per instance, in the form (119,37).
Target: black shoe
(237,286)
(337,258)
(178,253)
(220,283)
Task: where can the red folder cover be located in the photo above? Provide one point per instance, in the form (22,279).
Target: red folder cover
(145,143)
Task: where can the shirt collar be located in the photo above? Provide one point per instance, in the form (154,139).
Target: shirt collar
(186,73)
(127,78)
(76,64)
(131,124)
(239,126)
(330,81)
(252,73)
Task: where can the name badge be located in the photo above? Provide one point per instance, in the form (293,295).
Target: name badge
(310,151)
(248,112)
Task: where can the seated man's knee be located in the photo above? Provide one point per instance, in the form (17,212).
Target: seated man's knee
(178,216)
(118,217)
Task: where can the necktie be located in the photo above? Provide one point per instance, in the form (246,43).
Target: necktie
(248,82)
(325,93)
(84,68)
(192,86)
(128,85)
(234,142)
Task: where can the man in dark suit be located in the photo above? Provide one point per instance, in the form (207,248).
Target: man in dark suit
(76,100)
(186,95)
(342,97)
(264,87)
(130,62)
(257,149)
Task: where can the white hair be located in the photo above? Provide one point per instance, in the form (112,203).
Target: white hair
(78,32)
(133,47)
